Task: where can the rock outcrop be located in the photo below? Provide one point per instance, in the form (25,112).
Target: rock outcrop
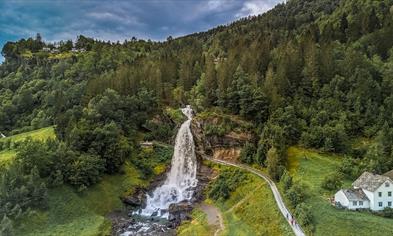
(223,147)
(179,212)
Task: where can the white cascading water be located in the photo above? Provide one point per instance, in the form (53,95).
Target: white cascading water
(181,179)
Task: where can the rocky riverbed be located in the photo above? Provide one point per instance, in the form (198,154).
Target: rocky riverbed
(128,223)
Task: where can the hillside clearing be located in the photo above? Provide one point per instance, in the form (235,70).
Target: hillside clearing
(311,168)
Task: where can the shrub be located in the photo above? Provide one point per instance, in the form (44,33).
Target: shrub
(286,179)
(304,215)
(387,212)
(85,170)
(226,182)
(297,194)
(247,153)
(332,182)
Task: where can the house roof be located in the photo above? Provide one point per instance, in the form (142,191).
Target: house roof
(389,174)
(355,194)
(370,181)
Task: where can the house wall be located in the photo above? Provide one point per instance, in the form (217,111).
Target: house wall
(351,206)
(385,199)
(370,196)
(341,198)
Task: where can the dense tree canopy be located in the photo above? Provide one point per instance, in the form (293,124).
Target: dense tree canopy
(317,73)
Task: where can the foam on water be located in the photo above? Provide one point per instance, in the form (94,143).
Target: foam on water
(181,179)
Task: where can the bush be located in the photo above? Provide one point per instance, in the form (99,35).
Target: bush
(332,182)
(247,153)
(304,215)
(85,170)
(296,194)
(21,191)
(386,212)
(226,182)
(287,181)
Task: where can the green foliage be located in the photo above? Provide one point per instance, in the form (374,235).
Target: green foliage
(287,181)
(297,194)
(6,227)
(247,153)
(242,210)
(148,158)
(20,192)
(273,163)
(85,170)
(303,214)
(227,181)
(333,182)
(312,168)
(386,212)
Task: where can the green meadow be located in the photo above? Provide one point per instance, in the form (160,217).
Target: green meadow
(311,168)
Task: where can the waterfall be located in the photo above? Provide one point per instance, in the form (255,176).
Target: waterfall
(181,179)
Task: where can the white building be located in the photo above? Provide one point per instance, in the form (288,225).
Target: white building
(369,191)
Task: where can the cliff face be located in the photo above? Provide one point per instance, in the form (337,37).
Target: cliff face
(218,146)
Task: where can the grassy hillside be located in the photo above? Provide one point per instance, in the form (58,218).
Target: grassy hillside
(74,213)
(84,213)
(198,226)
(40,134)
(250,210)
(311,167)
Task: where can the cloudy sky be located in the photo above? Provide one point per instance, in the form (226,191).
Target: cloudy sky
(117,20)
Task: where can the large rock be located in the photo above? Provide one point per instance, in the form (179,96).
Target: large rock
(138,199)
(179,212)
(225,147)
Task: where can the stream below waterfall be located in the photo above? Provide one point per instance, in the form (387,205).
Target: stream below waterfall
(178,186)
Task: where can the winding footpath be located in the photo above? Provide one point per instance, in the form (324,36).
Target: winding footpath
(277,196)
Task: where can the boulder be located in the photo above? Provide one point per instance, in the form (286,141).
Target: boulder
(138,199)
(179,212)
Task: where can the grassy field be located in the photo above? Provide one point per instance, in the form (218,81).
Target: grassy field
(74,213)
(198,226)
(311,167)
(251,210)
(39,134)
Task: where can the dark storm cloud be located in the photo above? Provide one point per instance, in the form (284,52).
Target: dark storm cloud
(119,20)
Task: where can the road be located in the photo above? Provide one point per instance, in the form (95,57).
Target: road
(277,196)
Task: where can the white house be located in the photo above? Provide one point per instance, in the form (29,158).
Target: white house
(369,191)
(352,199)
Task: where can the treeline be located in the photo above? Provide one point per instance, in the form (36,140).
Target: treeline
(315,73)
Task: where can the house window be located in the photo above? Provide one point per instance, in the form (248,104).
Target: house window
(389,194)
(360,203)
(355,203)
(387,184)
(379,194)
(389,204)
(380,204)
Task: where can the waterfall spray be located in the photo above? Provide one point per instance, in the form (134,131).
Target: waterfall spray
(181,179)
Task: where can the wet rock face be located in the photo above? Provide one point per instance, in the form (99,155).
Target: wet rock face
(138,199)
(179,212)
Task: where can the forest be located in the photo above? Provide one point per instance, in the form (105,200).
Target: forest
(313,73)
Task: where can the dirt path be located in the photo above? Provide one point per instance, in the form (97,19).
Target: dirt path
(214,217)
(277,196)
